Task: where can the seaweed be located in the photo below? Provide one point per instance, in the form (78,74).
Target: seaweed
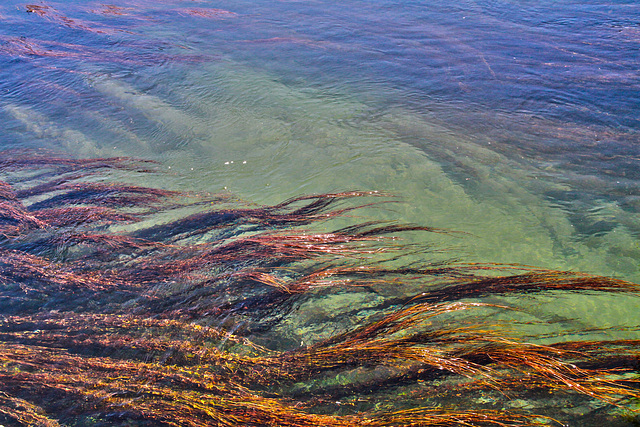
(186,318)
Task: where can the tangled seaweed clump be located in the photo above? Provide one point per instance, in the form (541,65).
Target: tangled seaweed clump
(115,312)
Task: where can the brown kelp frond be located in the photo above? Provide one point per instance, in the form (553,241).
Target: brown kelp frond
(51,185)
(72,323)
(34,274)
(605,355)
(314,208)
(322,198)
(304,246)
(29,48)
(49,13)
(313,280)
(80,250)
(548,373)
(159,326)
(553,368)
(337,241)
(103,194)
(378,228)
(14,411)
(14,219)
(343,276)
(38,9)
(441,417)
(402,320)
(160,395)
(594,347)
(13,160)
(287,214)
(131,338)
(355,275)
(6,192)
(399,336)
(171,262)
(145,200)
(260,249)
(119,391)
(193,225)
(351,243)
(113,10)
(82,215)
(110,241)
(206,13)
(470,351)
(532,282)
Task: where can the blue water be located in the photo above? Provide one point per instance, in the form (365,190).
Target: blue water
(514,121)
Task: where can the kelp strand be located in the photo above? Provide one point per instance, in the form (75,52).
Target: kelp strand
(162,324)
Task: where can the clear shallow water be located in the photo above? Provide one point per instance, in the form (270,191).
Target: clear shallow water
(513,121)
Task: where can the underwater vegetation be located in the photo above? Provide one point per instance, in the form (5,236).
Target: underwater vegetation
(124,305)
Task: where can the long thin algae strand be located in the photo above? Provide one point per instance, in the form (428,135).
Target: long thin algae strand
(185,319)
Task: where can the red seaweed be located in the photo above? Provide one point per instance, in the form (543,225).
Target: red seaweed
(206,13)
(113,10)
(11,160)
(82,215)
(157,326)
(102,194)
(45,11)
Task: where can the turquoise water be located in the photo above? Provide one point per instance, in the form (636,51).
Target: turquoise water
(513,121)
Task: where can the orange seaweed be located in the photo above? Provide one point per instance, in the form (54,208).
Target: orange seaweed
(159,325)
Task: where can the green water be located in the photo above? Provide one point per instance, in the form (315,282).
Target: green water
(235,130)
(242,131)
(510,125)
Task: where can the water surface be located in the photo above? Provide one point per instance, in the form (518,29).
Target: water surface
(515,122)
